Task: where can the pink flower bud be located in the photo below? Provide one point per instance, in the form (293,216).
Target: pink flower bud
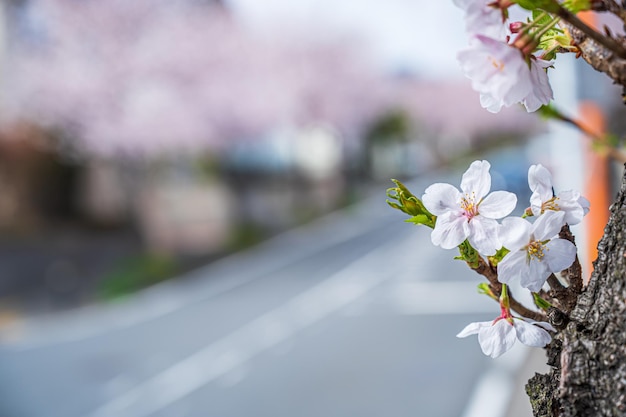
(516,27)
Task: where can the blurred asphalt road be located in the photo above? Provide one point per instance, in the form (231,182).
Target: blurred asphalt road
(352,315)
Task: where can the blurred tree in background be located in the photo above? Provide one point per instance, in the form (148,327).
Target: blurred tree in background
(145,78)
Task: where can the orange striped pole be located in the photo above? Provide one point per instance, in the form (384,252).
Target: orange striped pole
(596,187)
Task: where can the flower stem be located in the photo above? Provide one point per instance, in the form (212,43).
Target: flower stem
(596,139)
(546,27)
(522,310)
(534,22)
(489,272)
(504,297)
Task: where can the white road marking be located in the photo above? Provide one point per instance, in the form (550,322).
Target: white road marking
(170,296)
(264,332)
(439,297)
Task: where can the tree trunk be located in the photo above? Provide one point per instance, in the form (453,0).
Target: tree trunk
(588,358)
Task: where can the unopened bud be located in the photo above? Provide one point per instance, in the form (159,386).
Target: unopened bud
(516,27)
(483,288)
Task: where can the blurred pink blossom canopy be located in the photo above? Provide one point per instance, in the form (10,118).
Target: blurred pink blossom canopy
(145,77)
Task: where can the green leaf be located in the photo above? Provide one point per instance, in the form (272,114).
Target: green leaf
(483,288)
(501,253)
(554,41)
(576,6)
(540,302)
(541,17)
(394,205)
(422,219)
(469,254)
(402,199)
(551,6)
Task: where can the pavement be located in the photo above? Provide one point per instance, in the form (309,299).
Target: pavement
(535,362)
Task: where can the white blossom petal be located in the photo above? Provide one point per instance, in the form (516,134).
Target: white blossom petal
(497,70)
(490,103)
(540,183)
(541,92)
(481,18)
(560,254)
(531,335)
(497,339)
(514,233)
(536,202)
(585,204)
(440,198)
(533,277)
(473,328)
(497,204)
(512,266)
(539,178)
(477,180)
(542,324)
(570,203)
(483,235)
(450,230)
(548,225)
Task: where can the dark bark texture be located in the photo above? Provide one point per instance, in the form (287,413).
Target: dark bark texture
(588,357)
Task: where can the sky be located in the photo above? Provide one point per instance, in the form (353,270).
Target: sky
(422,36)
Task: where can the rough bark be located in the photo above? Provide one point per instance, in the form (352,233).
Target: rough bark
(599,57)
(588,358)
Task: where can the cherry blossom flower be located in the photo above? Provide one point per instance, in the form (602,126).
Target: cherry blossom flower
(569,202)
(541,92)
(484,17)
(498,336)
(470,213)
(503,76)
(535,250)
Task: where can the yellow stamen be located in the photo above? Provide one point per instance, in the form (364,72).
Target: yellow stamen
(499,65)
(469,205)
(551,204)
(536,250)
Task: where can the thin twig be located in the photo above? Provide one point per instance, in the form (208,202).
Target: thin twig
(526,312)
(558,292)
(607,42)
(618,155)
(489,272)
(555,284)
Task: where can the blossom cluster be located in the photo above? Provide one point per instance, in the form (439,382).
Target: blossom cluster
(535,250)
(516,249)
(503,60)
